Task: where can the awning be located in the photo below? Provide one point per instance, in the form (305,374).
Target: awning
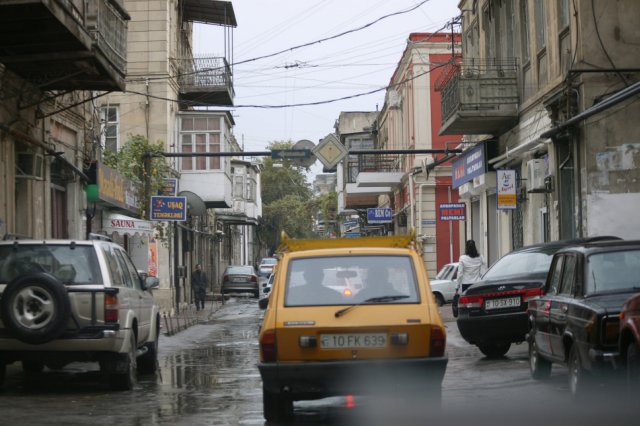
(114,222)
(209,12)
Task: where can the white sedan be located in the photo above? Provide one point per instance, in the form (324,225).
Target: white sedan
(444,285)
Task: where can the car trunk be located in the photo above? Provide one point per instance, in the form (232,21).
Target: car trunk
(337,339)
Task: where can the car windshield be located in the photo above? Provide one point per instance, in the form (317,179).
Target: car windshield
(346,280)
(70,264)
(524,262)
(613,271)
(239,270)
(269,261)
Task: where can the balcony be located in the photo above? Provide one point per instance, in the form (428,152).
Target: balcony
(65,44)
(243,212)
(214,187)
(369,176)
(479,97)
(205,81)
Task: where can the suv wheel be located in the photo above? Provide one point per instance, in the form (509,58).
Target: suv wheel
(35,308)
(494,350)
(539,367)
(124,378)
(148,363)
(439,299)
(276,406)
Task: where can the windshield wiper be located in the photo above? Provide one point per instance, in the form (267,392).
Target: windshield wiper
(379,299)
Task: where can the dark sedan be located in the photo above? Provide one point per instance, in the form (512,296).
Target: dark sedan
(240,279)
(577,320)
(492,313)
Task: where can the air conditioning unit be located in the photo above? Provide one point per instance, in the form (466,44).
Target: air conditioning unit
(536,172)
(484,181)
(466,190)
(29,165)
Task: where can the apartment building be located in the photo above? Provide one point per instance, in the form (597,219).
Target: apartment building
(546,95)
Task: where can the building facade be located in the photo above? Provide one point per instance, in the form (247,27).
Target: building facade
(547,90)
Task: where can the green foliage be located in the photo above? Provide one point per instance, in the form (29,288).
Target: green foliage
(129,161)
(325,208)
(289,179)
(291,214)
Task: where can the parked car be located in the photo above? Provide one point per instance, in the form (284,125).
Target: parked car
(318,340)
(444,286)
(240,279)
(492,313)
(577,320)
(266,266)
(267,285)
(629,342)
(63,301)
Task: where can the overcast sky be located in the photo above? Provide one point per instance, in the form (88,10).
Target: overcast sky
(355,63)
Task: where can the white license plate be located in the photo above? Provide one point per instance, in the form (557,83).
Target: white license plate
(355,341)
(506,302)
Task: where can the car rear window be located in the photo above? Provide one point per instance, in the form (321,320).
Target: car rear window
(239,270)
(525,262)
(613,271)
(340,280)
(269,261)
(78,265)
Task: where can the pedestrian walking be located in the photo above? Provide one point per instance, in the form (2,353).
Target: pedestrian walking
(199,286)
(471,266)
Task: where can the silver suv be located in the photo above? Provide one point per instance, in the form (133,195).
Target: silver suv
(63,301)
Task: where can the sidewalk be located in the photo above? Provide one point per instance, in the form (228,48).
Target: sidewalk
(174,322)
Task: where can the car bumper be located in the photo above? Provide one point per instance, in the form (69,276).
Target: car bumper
(508,327)
(240,288)
(604,358)
(308,380)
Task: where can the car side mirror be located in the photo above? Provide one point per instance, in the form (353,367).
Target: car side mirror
(151,282)
(263,303)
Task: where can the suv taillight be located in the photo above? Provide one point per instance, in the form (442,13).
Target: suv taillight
(268,348)
(437,341)
(111,307)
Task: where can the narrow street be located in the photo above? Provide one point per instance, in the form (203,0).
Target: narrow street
(208,376)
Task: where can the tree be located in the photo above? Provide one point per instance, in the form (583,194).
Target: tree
(283,177)
(325,209)
(129,161)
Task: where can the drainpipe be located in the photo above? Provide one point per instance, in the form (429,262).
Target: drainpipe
(422,185)
(411,201)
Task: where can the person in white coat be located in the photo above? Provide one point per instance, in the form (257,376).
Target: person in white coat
(471,267)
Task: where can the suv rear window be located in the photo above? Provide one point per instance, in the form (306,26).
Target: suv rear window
(357,277)
(78,265)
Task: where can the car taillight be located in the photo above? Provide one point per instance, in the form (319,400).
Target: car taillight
(254,279)
(111,306)
(471,301)
(531,293)
(225,278)
(437,341)
(268,348)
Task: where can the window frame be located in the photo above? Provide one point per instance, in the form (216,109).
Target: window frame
(106,124)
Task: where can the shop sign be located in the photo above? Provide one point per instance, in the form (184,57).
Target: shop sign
(169,208)
(113,222)
(115,189)
(383,215)
(169,187)
(468,165)
(453,211)
(506,187)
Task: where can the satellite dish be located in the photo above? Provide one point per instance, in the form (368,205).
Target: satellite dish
(305,144)
(195,205)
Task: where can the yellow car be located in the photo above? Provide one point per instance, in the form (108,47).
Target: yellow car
(346,316)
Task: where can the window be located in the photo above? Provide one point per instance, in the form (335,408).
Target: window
(110,118)
(238,186)
(524,34)
(564,35)
(568,275)
(251,189)
(556,273)
(563,14)
(541,43)
(200,135)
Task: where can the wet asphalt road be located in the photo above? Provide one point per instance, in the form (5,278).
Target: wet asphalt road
(208,376)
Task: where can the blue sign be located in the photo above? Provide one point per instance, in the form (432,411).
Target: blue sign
(453,211)
(169,188)
(350,223)
(379,216)
(169,208)
(467,166)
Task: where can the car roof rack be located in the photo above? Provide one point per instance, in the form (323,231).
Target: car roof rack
(288,244)
(14,237)
(101,237)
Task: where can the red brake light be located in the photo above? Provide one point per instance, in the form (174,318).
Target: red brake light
(225,278)
(254,279)
(268,347)
(437,341)
(471,301)
(530,293)
(111,306)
